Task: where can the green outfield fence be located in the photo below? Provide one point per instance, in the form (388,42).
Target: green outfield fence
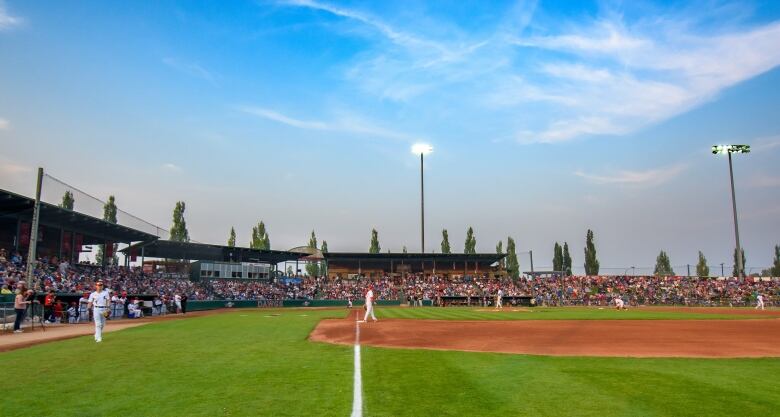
(214,304)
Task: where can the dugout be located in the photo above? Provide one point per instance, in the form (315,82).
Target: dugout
(62,232)
(349,264)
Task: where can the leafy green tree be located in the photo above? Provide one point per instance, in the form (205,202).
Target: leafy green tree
(109,215)
(512,265)
(445,242)
(776,264)
(260,239)
(702,270)
(179,231)
(404,249)
(591,261)
(324,265)
(500,251)
(566,259)
(374,247)
(290,271)
(313,268)
(232,238)
(557,257)
(734,272)
(663,266)
(471,241)
(67,201)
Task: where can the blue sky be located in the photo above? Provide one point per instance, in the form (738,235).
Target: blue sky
(547,118)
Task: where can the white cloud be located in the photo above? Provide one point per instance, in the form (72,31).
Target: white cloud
(7,21)
(171,167)
(650,177)
(344,122)
(766,143)
(764,181)
(4,124)
(9,168)
(190,68)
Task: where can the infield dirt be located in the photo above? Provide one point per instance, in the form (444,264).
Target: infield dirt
(751,338)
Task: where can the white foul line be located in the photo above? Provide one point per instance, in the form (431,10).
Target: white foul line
(357,399)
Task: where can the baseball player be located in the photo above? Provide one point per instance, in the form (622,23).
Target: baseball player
(500,299)
(619,304)
(369,306)
(759,301)
(99,301)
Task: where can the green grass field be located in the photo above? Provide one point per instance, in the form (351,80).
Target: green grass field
(251,362)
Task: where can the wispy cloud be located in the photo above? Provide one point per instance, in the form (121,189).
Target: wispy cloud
(764,181)
(608,75)
(345,122)
(650,177)
(10,168)
(4,124)
(190,68)
(7,21)
(168,166)
(766,143)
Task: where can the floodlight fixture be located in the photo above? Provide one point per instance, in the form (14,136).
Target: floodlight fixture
(727,149)
(421,149)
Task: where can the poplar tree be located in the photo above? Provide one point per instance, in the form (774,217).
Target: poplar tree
(232,238)
(324,250)
(500,251)
(591,262)
(179,231)
(445,242)
(557,257)
(374,246)
(734,272)
(404,249)
(512,265)
(566,259)
(471,242)
(313,268)
(776,264)
(67,200)
(663,267)
(702,270)
(260,239)
(109,215)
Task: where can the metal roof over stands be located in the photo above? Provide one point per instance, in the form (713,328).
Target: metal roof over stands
(19,206)
(204,252)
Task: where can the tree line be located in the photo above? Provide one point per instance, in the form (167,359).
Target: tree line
(562,260)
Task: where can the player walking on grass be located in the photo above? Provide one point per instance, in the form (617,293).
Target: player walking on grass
(99,302)
(759,302)
(369,306)
(500,299)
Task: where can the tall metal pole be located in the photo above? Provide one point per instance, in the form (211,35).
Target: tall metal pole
(31,253)
(422,207)
(740,267)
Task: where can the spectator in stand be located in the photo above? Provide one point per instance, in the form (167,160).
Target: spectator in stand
(20,307)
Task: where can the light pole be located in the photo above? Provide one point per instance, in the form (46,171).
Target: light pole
(422,149)
(729,149)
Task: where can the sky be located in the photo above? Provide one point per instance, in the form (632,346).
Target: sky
(547,118)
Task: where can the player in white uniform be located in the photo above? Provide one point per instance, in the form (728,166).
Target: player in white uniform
(177,301)
(500,299)
(759,301)
(369,304)
(619,304)
(99,302)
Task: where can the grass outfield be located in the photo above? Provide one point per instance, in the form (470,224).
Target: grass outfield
(249,362)
(549,313)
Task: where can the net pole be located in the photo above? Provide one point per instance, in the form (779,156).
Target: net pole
(31,254)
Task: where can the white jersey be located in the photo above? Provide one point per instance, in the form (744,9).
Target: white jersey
(370,297)
(100,299)
(760,298)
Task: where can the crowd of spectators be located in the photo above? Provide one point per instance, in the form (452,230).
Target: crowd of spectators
(60,277)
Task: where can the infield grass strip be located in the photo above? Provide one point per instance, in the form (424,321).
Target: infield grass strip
(549,313)
(241,363)
(437,383)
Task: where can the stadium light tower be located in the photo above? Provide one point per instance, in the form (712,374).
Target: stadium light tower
(729,149)
(422,149)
